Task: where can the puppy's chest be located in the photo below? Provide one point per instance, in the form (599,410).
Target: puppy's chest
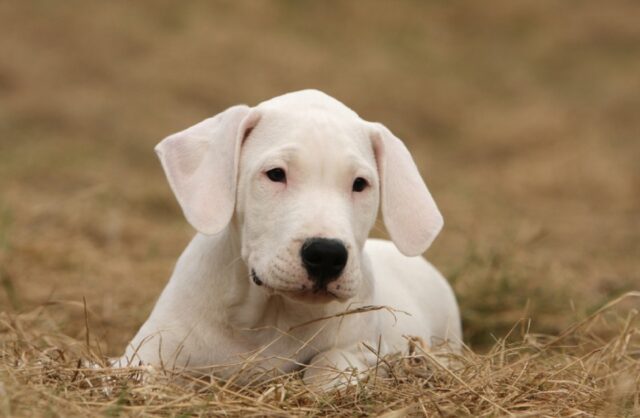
(283,338)
(302,340)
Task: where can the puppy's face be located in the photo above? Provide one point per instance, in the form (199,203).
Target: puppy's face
(303,175)
(307,197)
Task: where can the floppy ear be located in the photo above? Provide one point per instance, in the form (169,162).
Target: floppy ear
(201,164)
(409,212)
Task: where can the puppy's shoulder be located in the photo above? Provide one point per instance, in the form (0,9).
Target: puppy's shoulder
(386,260)
(382,251)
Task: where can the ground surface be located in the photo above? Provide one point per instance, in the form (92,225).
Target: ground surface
(523,117)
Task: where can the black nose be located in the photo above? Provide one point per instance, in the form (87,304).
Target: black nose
(324,259)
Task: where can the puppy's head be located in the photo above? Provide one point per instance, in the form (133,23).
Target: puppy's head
(304,177)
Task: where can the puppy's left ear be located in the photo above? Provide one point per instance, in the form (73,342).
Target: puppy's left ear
(409,212)
(201,164)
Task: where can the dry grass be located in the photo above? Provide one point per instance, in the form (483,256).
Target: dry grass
(578,373)
(522,115)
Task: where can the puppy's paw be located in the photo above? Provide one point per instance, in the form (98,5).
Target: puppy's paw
(337,369)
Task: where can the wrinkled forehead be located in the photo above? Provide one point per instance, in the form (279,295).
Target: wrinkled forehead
(311,134)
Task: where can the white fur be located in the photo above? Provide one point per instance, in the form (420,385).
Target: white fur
(211,314)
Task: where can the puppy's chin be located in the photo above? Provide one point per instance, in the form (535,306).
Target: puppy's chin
(311,297)
(306,296)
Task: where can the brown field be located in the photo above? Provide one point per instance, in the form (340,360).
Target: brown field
(523,116)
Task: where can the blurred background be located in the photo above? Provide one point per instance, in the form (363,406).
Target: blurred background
(523,117)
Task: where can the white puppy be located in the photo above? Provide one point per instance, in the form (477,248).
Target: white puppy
(284,195)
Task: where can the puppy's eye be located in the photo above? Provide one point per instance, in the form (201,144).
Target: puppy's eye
(277,175)
(359,184)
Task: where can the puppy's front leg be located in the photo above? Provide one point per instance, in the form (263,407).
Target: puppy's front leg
(339,367)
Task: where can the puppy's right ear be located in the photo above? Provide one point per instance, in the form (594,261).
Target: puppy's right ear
(201,164)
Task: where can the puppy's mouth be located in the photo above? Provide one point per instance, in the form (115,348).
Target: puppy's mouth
(305,293)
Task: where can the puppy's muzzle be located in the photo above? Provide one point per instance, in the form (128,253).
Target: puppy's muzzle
(324,259)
